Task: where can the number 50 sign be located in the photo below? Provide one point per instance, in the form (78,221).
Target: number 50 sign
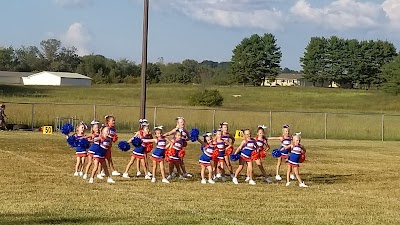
(47,130)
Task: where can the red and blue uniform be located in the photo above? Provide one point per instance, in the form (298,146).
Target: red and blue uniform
(159,153)
(295,155)
(221,151)
(80,151)
(205,158)
(102,149)
(247,150)
(226,137)
(260,145)
(139,152)
(177,146)
(112,134)
(285,141)
(94,145)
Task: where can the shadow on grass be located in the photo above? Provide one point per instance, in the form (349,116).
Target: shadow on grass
(25,218)
(21,91)
(328,178)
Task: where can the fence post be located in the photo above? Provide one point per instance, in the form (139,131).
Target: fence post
(94,111)
(33,116)
(270,123)
(383,127)
(326,125)
(214,112)
(155,116)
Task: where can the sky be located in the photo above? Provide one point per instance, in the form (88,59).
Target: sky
(194,29)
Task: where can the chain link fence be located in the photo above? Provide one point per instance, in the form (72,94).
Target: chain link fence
(316,125)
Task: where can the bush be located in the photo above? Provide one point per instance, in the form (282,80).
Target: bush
(206,98)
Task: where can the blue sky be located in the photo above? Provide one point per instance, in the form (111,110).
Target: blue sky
(195,29)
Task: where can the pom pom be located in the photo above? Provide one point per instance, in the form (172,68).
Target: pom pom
(235,157)
(71,140)
(194,134)
(215,154)
(136,141)
(184,143)
(276,153)
(149,147)
(83,143)
(115,138)
(302,158)
(169,152)
(263,154)
(124,146)
(67,128)
(181,154)
(229,150)
(255,155)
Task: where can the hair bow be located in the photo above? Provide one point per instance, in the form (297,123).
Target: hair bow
(158,128)
(262,126)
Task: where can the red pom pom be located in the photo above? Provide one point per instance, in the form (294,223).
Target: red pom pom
(229,150)
(115,138)
(184,144)
(255,155)
(169,152)
(181,153)
(263,154)
(149,147)
(215,154)
(302,158)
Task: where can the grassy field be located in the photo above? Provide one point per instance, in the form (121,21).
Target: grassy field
(247,111)
(351,182)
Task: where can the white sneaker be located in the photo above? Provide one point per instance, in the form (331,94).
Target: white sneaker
(203,181)
(287,184)
(80,173)
(218,175)
(223,179)
(292,176)
(76,174)
(169,177)
(126,175)
(277,177)
(165,181)
(251,182)
(187,175)
(173,174)
(115,173)
(110,180)
(102,173)
(268,180)
(149,174)
(232,175)
(234,180)
(99,176)
(215,178)
(302,185)
(91,180)
(84,176)
(153,180)
(138,174)
(147,177)
(181,177)
(211,182)
(247,179)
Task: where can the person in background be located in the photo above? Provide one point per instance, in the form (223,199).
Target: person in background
(3,117)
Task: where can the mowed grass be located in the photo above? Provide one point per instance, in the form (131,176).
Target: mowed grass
(351,182)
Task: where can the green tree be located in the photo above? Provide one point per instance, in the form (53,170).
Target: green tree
(314,60)
(391,76)
(7,59)
(255,59)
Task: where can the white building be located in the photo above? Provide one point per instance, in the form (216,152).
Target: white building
(57,79)
(285,80)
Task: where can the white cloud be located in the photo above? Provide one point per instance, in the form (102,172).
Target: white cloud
(78,36)
(72,3)
(340,14)
(392,10)
(231,13)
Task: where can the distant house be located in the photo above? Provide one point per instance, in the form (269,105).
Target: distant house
(57,79)
(294,79)
(7,77)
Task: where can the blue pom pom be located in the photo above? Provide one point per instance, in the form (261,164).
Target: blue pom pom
(235,157)
(276,153)
(194,134)
(136,141)
(201,148)
(124,146)
(71,140)
(67,128)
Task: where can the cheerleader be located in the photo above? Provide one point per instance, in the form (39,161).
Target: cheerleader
(286,140)
(226,136)
(110,122)
(175,156)
(100,154)
(247,147)
(80,151)
(296,150)
(180,126)
(148,147)
(159,153)
(262,146)
(221,146)
(205,158)
(139,151)
(94,139)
